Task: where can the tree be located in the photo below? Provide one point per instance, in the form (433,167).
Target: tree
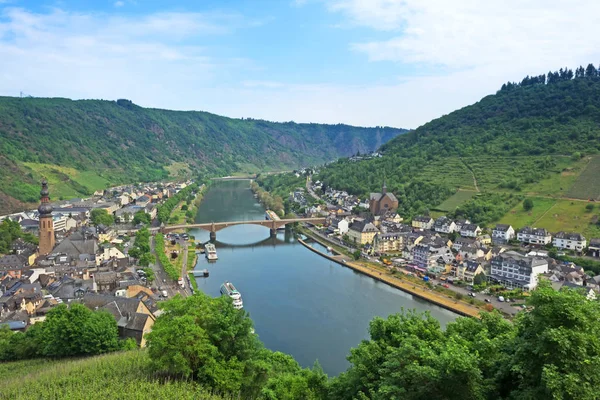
(356,254)
(146,259)
(141,217)
(100,216)
(479,279)
(527,204)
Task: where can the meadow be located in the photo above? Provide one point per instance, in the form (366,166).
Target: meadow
(587,185)
(457,199)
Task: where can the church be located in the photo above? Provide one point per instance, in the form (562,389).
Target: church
(380,203)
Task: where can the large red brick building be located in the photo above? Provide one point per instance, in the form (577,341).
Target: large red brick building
(380,203)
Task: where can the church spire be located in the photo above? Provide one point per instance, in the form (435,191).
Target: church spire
(384,187)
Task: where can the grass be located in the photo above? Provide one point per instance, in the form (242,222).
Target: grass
(457,199)
(193,281)
(178,169)
(559,183)
(518,217)
(67,182)
(571,216)
(125,375)
(587,185)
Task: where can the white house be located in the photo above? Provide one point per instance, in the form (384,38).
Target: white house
(569,241)
(444,225)
(534,236)
(502,234)
(470,230)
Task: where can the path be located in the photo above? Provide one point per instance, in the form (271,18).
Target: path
(544,214)
(472,174)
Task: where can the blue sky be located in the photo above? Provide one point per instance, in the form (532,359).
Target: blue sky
(363,62)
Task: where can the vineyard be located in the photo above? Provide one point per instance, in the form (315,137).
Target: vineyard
(587,186)
(125,375)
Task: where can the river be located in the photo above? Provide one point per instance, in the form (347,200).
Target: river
(301,303)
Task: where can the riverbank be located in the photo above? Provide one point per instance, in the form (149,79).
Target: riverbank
(421,292)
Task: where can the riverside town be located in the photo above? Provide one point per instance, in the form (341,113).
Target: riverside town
(372,206)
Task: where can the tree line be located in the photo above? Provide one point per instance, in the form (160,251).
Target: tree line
(566,74)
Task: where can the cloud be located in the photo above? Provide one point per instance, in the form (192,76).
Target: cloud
(119,3)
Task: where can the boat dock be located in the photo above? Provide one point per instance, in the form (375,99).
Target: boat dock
(200,273)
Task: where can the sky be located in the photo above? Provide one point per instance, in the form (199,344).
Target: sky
(394,63)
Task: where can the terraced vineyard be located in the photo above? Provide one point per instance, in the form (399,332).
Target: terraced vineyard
(457,199)
(587,185)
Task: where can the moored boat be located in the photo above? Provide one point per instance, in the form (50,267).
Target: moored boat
(210,252)
(228,289)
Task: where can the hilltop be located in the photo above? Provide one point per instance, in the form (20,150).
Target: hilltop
(537,138)
(85,145)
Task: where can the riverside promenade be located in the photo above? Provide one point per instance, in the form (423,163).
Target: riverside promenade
(416,290)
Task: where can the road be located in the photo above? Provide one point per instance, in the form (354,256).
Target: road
(162,281)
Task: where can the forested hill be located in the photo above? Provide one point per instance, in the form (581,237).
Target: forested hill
(95,142)
(553,114)
(509,141)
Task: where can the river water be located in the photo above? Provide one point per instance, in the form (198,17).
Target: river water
(301,303)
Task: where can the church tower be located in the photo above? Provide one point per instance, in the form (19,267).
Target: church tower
(384,187)
(46,222)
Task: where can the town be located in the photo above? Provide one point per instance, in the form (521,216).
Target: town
(87,254)
(453,253)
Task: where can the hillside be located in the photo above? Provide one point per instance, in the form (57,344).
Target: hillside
(534,138)
(124,375)
(81,146)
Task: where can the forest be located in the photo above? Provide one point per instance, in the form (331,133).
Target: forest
(120,142)
(511,138)
(204,345)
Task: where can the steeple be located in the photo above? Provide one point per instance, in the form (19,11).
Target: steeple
(46,222)
(384,187)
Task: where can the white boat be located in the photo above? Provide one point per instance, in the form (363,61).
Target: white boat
(228,289)
(329,249)
(210,252)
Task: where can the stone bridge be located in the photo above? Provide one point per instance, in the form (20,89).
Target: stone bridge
(214,227)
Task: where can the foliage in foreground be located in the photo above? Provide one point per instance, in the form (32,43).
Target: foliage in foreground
(66,332)
(550,352)
(206,339)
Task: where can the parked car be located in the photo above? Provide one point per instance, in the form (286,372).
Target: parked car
(487,300)
(500,299)
(445,285)
(472,294)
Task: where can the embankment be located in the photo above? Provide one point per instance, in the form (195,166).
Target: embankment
(416,290)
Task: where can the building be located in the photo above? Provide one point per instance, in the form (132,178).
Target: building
(362,231)
(422,222)
(502,234)
(339,226)
(444,225)
(383,202)
(46,224)
(428,255)
(538,236)
(470,230)
(569,241)
(386,242)
(514,270)
(594,247)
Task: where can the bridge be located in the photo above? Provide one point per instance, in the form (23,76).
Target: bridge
(214,227)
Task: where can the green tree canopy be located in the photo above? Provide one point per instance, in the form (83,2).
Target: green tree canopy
(101,216)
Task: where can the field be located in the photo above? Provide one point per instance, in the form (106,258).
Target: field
(587,185)
(456,200)
(67,182)
(558,184)
(518,217)
(124,375)
(571,216)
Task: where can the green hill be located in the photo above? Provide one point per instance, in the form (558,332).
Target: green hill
(125,375)
(533,138)
(81,146)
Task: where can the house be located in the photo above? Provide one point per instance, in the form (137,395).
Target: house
(134,318)
(460,223)
(537,236)
(427,255)
(380,203)
(106,281)
(462,241)
(422,222)
(594,248)
(14,265)
(339,226)
(502,234)
(444,225)
(109,252)
(466,271)
(362,231)
(470,230)
(569,241)
(79,246)
(514,270)
(143,201)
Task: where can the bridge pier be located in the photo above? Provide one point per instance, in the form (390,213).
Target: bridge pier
(213,236)
(273,232)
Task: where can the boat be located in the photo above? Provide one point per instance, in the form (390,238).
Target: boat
(329,249)
(228,289)
(210,252)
